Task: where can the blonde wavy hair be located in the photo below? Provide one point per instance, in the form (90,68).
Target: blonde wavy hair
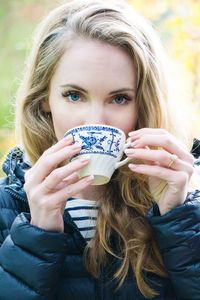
(127,197)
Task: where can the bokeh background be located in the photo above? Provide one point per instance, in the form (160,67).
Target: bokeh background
(177,22)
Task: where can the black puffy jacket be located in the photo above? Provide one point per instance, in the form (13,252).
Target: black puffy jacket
(39,265)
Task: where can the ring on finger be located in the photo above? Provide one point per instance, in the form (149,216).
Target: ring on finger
(173,159)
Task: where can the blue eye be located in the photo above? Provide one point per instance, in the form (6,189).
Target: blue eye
(72,96)
(121,99)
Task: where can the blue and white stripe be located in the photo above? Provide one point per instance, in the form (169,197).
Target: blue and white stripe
(84,214)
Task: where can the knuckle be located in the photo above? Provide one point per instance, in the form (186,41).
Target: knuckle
(47,162)
(69,191)
(44,154)
(191,158)
(183,178)
(47,189)
(143,139)
(47,151)
(168,139)
(56,174)
(191,171)
(164,156)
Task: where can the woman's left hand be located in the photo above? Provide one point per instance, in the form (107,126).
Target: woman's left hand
(171,163)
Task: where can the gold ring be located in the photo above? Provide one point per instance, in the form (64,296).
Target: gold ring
(173,157)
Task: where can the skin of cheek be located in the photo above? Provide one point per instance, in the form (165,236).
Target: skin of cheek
(128,124)
(125,119)
(63,122)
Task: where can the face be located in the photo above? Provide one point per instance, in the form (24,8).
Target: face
(94,83)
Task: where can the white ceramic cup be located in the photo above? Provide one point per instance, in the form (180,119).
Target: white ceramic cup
(104,145)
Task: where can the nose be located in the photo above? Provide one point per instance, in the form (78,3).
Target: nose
(96,114)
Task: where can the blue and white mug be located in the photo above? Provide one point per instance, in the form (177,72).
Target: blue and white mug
(104,145)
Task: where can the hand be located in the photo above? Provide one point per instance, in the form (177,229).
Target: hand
(171,163)
(48,186)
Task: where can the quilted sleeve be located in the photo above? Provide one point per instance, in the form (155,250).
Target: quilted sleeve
(31,261)
(178,236)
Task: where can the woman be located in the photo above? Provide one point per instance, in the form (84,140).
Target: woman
(62,237)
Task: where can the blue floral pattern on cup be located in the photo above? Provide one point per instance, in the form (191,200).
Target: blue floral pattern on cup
(97,139)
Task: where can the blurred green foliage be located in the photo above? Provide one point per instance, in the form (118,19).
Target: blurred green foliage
(177,21)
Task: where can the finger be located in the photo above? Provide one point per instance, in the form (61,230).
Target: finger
(48,163)
(61,174)
(56,147)
(71,190)
(59,145)
(137,134)
(140,132)
(67,181)
(171,176)
(160,157)
(72,178)
(167,142)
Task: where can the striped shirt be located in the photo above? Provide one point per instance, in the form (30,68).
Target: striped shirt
(84,214)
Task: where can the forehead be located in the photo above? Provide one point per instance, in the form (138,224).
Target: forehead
(93,59)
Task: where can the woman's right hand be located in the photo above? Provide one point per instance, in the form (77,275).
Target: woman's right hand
(48,186)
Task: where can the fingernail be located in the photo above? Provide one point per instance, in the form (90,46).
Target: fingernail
(76,146)
(68,138)
(128,141)
(127,145)
(67,141)
(79,144)
(131,133)
(129,151)
(90,178)
(132,166)
(85,158)
(133,144)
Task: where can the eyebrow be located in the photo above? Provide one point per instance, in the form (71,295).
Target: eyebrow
(74,86)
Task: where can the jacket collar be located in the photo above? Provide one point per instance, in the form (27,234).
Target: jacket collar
(14,166)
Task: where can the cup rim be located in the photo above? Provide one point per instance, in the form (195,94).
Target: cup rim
(86,125)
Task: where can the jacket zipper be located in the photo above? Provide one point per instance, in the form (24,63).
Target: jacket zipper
(14,194)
